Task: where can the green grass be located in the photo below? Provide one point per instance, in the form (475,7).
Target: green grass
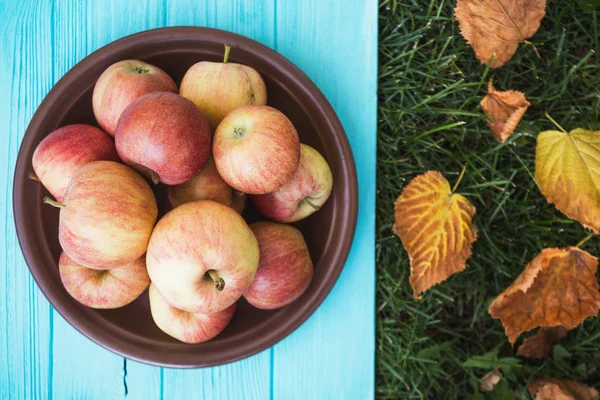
(430,86)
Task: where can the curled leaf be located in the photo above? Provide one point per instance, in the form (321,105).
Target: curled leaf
(496,27)
(558,287)
(504,111)
(540,345)
(490,380)
(436,229)
(561,389)
(567,170)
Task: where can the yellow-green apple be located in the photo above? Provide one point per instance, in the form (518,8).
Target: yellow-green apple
(60,154)
(164,136)
(256,149)
(107,215)
(121,84)
(303,194)
(202,256)
(285,268)
(207,185)
(104,288)
(186,326)
(219,88)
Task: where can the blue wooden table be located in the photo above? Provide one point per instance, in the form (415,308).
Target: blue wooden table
(330,356)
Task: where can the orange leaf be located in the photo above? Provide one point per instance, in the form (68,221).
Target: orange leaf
(504,111)
(496,27)
(540,345)
(562,389)
(436,229)
(567,170)
(558,287)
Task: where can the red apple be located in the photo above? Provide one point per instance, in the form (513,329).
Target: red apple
(186,326)
(121,84)
(285,269)
(303,194)
(97,288)
(107,215)
(256,149)
(60,154)
(202,256)
(207,185)
(165,137)
(219,88)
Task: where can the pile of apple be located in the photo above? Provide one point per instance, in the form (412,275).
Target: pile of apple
(213,141)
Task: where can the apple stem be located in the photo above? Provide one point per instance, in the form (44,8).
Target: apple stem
(33,177)
(226,56)
(53,203)
(217,280)
(313,205)
(154,177)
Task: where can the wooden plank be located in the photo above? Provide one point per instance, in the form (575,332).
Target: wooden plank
(332,355)
(83,369)
(25,315)
(247,379)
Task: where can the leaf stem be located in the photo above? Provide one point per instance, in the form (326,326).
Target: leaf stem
(556,123)
(460,177)
(582,242)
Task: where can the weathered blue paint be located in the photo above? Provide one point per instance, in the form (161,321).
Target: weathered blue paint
(332,354)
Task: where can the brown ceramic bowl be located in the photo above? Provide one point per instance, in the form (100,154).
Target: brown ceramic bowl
(130,331)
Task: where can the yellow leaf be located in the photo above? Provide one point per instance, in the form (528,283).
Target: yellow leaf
(557,288)
(436,229)
(567,170)
(496,27)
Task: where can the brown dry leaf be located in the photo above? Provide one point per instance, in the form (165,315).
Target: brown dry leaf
(436,229)
(496,27)
(561,389)
(490,380)
(567,170)
(558,287)
(540,345)
(504,111)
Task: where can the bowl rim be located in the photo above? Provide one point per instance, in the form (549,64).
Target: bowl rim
(118,345)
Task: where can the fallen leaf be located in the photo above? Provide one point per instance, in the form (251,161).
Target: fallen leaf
(558,287)
(436,229)
(540,345)
(490,380)
(561,389)
(496,27)
(567,170)
(504,111)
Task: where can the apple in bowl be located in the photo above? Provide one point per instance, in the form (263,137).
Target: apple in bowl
(165,137)
(121,84)
(186,326)
(60,155)
(207,185)
(219,88)
(303,194)
(202,256)
(285,268)
(256,149)
(104,288)
(107,215)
